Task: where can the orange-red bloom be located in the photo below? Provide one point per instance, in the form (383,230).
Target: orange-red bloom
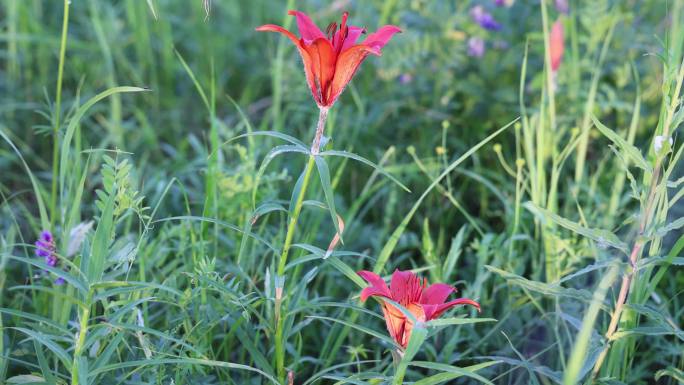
(424,302)
(557,45)
(331,59)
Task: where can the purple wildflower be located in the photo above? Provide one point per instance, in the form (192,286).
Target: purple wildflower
(484,18)
(503,3)
(45,248)
(562,6)
(405,78)
(476,46)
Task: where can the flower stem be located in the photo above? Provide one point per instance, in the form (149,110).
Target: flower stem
(320,127)
(58,107)
(289,236)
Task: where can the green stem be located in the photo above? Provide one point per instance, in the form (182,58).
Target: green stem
(80,342)
(58,107)
(289,236)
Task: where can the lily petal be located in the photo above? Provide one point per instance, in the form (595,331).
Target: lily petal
(311,76)
(307,28)
(396,322)
(347,64)
(378,39)
(433,311)
(322,66)
(398,325)
(279,29)
(436,293)
(377,285)
(405,287)
(353,34)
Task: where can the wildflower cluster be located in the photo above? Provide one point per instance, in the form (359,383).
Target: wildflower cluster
(476,44)
(46,249)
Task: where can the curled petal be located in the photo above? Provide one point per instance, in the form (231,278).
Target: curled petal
(307,28)
(279,29)
(378,39)
(436,293)
(309,68)
(377,286)
(433,311)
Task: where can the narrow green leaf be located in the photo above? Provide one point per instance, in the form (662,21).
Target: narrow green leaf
(365,161)
(272,154)
(581,347)
(26,379)
(46,341)
(324,173)
(602,237)
(632,152)
(76,120)
(37,191)
(670,371)
(457,321)
(551,290)
(418,335)
(452,372)
(346,270)
(358,327)
(177,362)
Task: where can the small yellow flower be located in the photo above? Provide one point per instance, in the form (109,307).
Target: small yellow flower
(440,150)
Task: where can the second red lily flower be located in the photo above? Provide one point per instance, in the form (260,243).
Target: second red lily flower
(424,302)
(332,59)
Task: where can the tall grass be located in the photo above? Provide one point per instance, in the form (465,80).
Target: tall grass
(202,239)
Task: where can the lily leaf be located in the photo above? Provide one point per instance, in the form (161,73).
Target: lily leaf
(450,372)
(324,173)
(365,161)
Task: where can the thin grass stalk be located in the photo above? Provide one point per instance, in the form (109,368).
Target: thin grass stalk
(631,134)
(589,108)
(289,236)
(56,120)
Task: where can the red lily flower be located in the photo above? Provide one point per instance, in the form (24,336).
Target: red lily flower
(424,302)
(330,61)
